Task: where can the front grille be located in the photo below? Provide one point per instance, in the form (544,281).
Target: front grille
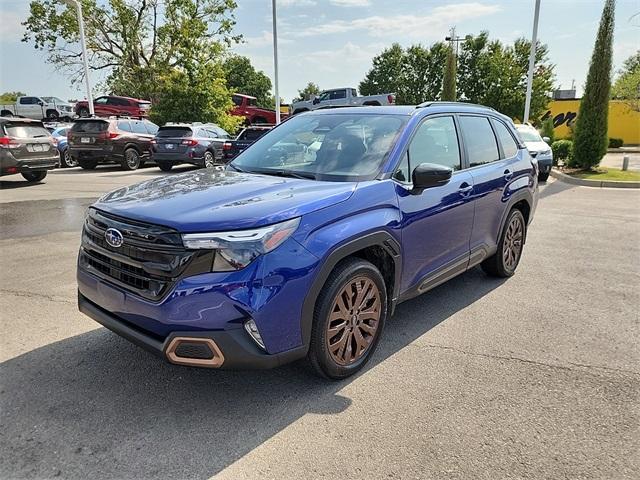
(149,262)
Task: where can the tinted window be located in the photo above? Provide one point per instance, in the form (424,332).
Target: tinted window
(138,127)
(529,134)
(101,100)
(250,134)
(480,140)
(435,141)
(329,147)
(29,101)
(354,93)
(338,94)
(17,130)
(220,132)
(252,102)
(90,126)
(509,146)
(174,132)
(236,100)
(152,128)
(124,125)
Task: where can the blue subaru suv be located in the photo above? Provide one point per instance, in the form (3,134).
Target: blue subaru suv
(309,239)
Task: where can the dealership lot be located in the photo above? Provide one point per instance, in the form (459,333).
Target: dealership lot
(536,376)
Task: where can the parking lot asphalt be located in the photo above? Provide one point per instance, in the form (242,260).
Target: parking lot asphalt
(537,376)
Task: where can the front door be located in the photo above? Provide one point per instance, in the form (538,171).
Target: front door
(437,223)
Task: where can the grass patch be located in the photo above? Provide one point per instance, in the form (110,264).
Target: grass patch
(607,174)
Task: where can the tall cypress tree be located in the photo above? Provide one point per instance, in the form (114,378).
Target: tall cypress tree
(449,79)
(591,139)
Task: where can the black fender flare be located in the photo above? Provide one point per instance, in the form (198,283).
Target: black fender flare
(525,195)
(379,238)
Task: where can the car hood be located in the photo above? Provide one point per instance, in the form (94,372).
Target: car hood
(537,146)
(209,200)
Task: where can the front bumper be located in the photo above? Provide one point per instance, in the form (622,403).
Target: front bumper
(544,163)
(238,351)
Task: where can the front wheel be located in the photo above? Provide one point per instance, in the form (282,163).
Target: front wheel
(348,319)
(506,259)
(35,176)
(131,159)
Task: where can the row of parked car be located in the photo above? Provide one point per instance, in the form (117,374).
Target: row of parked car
(31,148)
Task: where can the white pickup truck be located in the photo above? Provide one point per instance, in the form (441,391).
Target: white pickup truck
(39,108)
(341,97)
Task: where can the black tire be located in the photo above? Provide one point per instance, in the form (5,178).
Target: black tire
(35,176)
(88,164)
(346,272)
(66,160)
(165,166)
(6,113)
(543,177)
(53,115)
(131,160)
(496,265)
(209,160)
(84,112)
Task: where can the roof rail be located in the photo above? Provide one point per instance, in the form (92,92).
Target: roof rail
(438,102)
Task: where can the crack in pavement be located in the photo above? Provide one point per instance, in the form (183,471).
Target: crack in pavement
(527,361)
(52,298)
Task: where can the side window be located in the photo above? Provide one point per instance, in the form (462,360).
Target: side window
(480,140)
(354,93)
(435,141)
(403,174)
(220,133)
(124,125)
(509,146)
(138,127)
(252,102)
(100,101)
(152,128)
(237,101)
(338,94)
(212,134)
(325,95)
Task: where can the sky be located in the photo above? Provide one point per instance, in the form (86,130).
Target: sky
(332,42)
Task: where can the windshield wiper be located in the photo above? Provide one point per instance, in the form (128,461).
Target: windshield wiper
(237,169)
(289,173)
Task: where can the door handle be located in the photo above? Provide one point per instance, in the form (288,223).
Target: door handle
(507,174)
(465,189)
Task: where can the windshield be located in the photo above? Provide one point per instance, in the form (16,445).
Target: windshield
(529,135)
(345,147)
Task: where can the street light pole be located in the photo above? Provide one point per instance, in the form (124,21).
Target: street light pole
(532,61)
(275,62)
(83,44)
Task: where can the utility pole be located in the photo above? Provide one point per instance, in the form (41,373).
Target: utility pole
(275,62)
(532,61)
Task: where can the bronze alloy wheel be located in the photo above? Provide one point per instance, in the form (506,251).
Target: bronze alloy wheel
(353,321)
(512,245)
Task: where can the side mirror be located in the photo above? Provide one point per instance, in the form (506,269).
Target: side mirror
(546,139)
(316,100)
(40,102)
(427,175)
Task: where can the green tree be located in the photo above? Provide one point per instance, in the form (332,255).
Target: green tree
(547,130)
(139,44)
(384,76)
(627,85)
(10,97)
(242,77)
(449,80)
(305,94)
(591,139)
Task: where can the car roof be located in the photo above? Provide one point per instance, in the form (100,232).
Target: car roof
(431,107)
(243,95)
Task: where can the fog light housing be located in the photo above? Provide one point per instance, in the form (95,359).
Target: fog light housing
(252,329)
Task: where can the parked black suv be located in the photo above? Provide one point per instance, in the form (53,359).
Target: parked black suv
(232,148)
(26,147)
(195,143)
(103,140)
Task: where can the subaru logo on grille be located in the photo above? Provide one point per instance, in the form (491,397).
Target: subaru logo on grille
(114,237)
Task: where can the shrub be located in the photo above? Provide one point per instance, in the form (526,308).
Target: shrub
(547,130)
(615,142)
(562,150)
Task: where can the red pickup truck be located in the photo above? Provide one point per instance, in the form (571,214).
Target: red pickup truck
(245,106)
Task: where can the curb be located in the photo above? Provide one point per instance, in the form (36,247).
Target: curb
(563,177)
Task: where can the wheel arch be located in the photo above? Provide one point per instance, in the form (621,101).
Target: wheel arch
(523,201)
(379,248)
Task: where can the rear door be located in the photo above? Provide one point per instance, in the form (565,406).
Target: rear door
(141,136)
(34,140)
(30,107)
(492,172)
(436,223)
(100,106)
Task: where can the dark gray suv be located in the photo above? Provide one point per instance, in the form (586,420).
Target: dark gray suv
(26,147)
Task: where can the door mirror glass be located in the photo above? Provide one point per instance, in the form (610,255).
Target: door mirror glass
(427,175)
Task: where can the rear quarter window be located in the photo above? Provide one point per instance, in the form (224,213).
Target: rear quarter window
(509,146)
(90,126)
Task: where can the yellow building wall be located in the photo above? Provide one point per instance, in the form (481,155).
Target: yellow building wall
(624,122)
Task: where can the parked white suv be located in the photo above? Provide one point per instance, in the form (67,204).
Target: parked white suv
(341,97)
(39,108)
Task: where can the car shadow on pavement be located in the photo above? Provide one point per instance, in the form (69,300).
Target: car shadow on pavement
(9,184)
(95,406)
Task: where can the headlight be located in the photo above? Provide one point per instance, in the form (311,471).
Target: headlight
(546,152)
(236,250)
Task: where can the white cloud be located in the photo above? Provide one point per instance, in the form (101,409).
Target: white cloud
(263,40)
(350,3)
(295,3)
(412,25)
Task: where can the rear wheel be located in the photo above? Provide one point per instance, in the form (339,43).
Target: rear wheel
(209,161)
(66,160)
(505,261)
(35,176)
(348,319)
(88,164)
(165,166)
(131,159)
